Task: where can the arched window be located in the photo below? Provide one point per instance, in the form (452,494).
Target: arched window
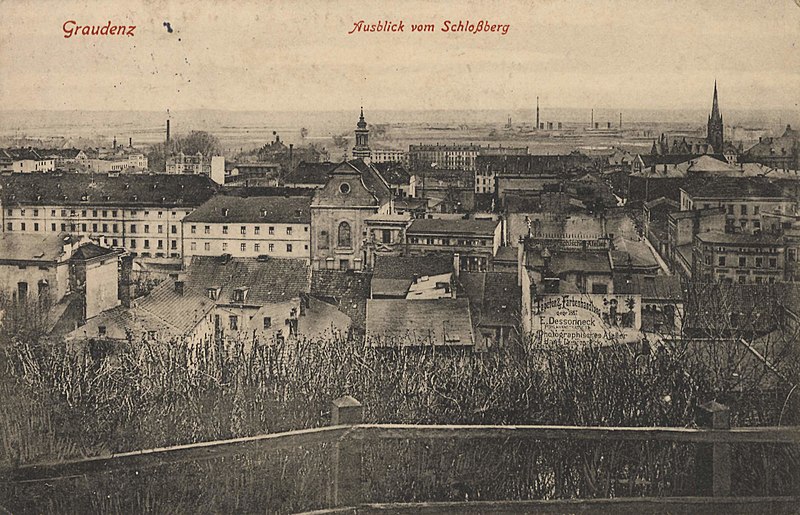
(345,239)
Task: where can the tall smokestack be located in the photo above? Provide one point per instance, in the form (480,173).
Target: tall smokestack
(620,120)
(167,130)
(592,125)
(537,112)
(130,142)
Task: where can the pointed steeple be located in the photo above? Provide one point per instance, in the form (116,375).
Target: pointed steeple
(715,105)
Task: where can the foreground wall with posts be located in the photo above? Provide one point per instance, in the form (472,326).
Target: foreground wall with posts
(352,467)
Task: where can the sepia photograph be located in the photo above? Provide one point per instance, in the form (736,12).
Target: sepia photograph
(398,257)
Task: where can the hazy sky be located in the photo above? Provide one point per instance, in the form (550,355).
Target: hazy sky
(281,55)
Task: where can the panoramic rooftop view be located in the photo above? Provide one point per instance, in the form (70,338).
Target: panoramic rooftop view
(400,257)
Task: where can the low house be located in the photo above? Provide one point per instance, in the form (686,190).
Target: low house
(495,300)
(413,277)
(229,298)
(420,323)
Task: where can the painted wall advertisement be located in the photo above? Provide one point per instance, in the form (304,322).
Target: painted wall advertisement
(584,319)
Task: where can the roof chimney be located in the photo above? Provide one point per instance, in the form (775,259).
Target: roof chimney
(456,264)
(179,287)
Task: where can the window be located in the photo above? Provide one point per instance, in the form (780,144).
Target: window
(257,230)
(344,264)
(323,239)
(386,236)
(101,330)
(224,246)
(10,226)
(105,227)
(133,228)
(742,261)
(22,291)
(194,229)
(288,247)
(114,228)
(133,244)
(160,214)
(759,262)
(344,188)
(94,228)
(11,212)
(52,227)
(206,246)
(243,247)
(35,227)
(114,243)
(730,209)
(756,209)
(288,231)
(243,230)
(114,214)
(174,229)
(36,212)
(146,229)
(773,262)
(94,212)
(174,245)
(234,322)
(271,247)
(147,244)
(744,209)
(345,238)
(105,214)
(207,229)
(63,227)
(721,261)
(83,227)
(22,225)
(257,247)
(224,229)
(267,322)
(271,231)
(160,229)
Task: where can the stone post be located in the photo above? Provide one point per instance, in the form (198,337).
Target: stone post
(713,460)
(346,482)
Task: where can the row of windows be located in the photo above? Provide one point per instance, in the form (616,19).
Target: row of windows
(84,227)
(233,322)
(95,213)
(243,230)
(757,262)
(243,247)
(447,241)
(742,279)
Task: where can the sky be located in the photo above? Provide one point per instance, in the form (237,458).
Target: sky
(298,56)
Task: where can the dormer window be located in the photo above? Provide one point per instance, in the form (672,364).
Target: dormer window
(84,198)
(224,211)
(240,294)
(212,293)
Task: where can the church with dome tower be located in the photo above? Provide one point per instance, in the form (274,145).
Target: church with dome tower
(361,150)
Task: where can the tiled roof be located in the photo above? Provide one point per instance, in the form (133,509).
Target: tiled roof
(89,251)
(561,262)
(267,281)
(739,238)
(535,164)
(728,187)
(417,323)
(104,189)
(408,267)
(458,226)
(392,173)
(494,296)
(348,290)
(19,154)
(550,202)
(372,180)
(507,253)
(310,173)
(659,287)
(44,247)
(225,208)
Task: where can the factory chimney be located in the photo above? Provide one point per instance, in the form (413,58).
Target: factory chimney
(167,130)
(537,112)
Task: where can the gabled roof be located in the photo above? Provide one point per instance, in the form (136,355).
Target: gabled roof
(89,251)
(270,209)
(267,281)
(310,173)
(408,267)
(494,296)
(659,287)
(419,323)
(393,173)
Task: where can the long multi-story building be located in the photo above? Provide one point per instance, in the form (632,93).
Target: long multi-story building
(475,241)
(141,213)
(746,201)
(273,226)
(740,258)
(455,157)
